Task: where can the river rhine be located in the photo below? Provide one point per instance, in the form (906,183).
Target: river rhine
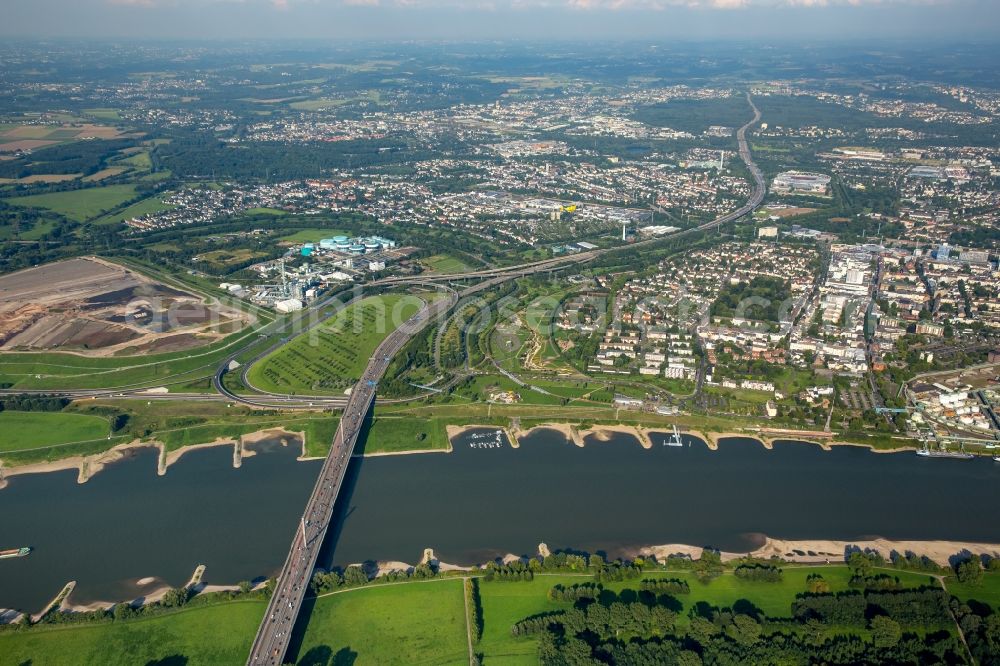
(127,523)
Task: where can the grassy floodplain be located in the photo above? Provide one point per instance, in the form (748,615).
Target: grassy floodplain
(397,434)
(32,429)
(200,635)
(507,603)
(409,623)
(333,356)
(417,622)
(987,592)
(343,621)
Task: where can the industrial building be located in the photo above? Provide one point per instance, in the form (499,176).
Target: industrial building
(363,245)
(800,182)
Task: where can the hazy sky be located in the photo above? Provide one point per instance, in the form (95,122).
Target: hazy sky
(469,20)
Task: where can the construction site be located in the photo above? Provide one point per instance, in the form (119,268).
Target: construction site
(99,308)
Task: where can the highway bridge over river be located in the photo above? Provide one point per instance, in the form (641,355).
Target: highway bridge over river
(272,639)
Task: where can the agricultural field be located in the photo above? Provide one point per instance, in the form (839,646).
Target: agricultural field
(783,213)
(35,429)
(103,114)
(41,178)
(333,356)
(79,205)
(32,137)
(139,160)
(322,103)
(206,635)
(153,204)
(39,228)
(417,623)
(104,173)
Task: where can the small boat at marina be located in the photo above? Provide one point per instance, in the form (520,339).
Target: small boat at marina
(487,435)
(14,552)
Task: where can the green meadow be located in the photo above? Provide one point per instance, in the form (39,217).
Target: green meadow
(32,429)
(416,622)
(410,623)
(445,263)
(197,636)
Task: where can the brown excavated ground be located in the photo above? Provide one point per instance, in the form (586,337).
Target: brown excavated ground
(99,308)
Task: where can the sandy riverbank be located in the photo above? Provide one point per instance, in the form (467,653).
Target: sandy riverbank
(384,567)
(803,551)
(570,431)
(168,458)
(285,437)
(382,454)
(712,439)
(821,551)
(573,433)
(88,466)
(603,433)
(195,584)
